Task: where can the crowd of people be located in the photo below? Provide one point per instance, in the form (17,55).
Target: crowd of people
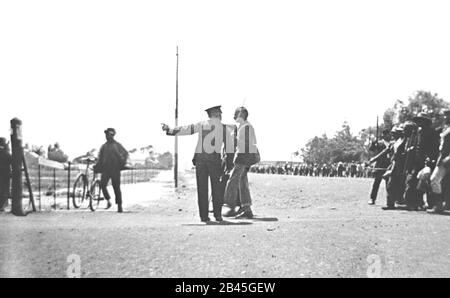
(339,169)
(413,159)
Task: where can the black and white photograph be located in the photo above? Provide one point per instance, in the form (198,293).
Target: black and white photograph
(224,145)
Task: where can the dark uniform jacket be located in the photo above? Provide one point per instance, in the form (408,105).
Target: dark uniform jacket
(427,146)
(382,159)
(398,156)
(112,157)
(422,144)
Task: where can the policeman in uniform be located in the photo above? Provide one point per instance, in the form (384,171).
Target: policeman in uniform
(207,159)
(441,170)
(5,173)
(421,147)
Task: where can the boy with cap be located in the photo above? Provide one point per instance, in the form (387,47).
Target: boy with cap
(111,160)
(212,134)
(5,173)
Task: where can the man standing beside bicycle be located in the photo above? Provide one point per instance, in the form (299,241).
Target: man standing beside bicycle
(111,160)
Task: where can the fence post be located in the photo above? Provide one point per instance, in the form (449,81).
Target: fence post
(68,187)
(17,163)
(39,186)
(54,187)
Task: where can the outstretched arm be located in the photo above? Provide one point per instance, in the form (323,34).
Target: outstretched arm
(181,130)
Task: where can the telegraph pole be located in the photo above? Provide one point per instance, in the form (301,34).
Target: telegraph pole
(17,163)
(175,168)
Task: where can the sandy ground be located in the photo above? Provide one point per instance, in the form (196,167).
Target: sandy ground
(304,227)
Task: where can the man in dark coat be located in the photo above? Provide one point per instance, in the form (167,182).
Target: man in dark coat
(420,148)
(111,160)
(5,173)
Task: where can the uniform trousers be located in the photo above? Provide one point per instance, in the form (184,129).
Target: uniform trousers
(211,170)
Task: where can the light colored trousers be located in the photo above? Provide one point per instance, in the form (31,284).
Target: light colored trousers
(238,184)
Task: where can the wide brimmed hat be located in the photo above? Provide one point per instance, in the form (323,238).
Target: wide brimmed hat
(422,116)
(396,129)
(110,131)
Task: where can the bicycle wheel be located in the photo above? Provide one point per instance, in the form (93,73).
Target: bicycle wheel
(79,191)
(95,195)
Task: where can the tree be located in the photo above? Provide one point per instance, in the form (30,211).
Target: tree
(317,150)
(165,160)
(420,101)
(343,147)
(388,118)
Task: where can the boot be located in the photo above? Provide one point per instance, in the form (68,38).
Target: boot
(438,203)
(119,208)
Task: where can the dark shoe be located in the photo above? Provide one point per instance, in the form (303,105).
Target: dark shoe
(108,204)
(436,209)
(219,218)
(371,202)
(422,208)
(388,208)
(245,213)
(205,219)
(119,209)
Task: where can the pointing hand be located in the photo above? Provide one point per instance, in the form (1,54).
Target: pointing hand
(165,127)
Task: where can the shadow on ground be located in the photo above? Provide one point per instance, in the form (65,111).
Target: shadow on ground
(256,218)
(222,223)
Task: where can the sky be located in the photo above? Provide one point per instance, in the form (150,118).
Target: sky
(70,69)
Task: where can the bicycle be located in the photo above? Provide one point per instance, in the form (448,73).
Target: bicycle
(83,190)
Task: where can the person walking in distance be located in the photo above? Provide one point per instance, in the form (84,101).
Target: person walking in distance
(111,161)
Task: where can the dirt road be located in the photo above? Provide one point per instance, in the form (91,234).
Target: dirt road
(305,227)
